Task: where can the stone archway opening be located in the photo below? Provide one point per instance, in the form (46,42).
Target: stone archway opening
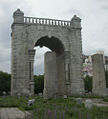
(53,67)
(52,43)
(39,69)
(39,59)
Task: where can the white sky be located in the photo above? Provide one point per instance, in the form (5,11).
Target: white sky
(94,15)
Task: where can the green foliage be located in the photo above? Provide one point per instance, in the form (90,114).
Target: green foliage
(106,77)
(5,83)
(20,102)
(88,83)
(5,80)
(39,83)
(105,99)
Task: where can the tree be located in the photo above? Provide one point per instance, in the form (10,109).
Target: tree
(88,83)
(39,83)
(5,82)
(106,77)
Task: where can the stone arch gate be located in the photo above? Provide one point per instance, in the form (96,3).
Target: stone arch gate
(63,66)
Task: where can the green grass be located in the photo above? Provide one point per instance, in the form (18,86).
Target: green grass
(13,101)
(55,108)
(105,99)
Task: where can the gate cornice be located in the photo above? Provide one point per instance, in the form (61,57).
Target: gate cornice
(19,18)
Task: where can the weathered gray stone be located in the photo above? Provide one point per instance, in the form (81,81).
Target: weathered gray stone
(88,104)
(50,82)
(99,83)
(31,102)
(62,37)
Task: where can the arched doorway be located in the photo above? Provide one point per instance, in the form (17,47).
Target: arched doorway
(52,43)
(39,60)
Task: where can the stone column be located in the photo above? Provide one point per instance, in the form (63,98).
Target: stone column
(31,63)
(99,83)
(77,83)
(50,78)
(17,65)
(60,59)
(67,73)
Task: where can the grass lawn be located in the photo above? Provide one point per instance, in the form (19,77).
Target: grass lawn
(55,108)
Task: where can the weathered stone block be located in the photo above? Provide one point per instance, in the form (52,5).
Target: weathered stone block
(88,104)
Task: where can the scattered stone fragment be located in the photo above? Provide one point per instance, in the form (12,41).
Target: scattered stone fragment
(88,104)
(31,102)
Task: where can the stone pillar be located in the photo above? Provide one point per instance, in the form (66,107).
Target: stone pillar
(99,83)
(67,73)
(67,65)
(18,80)
(61,74)
(77,83)
(50,78)
(31,63)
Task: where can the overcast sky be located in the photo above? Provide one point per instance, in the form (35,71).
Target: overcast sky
(94,15)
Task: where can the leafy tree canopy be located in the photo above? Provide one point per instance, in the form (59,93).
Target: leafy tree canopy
(106,76)
(5,80)
(39,83)
(88,83)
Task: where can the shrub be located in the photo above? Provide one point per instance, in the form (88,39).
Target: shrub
(88,83)
(39,83)
(5,82)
